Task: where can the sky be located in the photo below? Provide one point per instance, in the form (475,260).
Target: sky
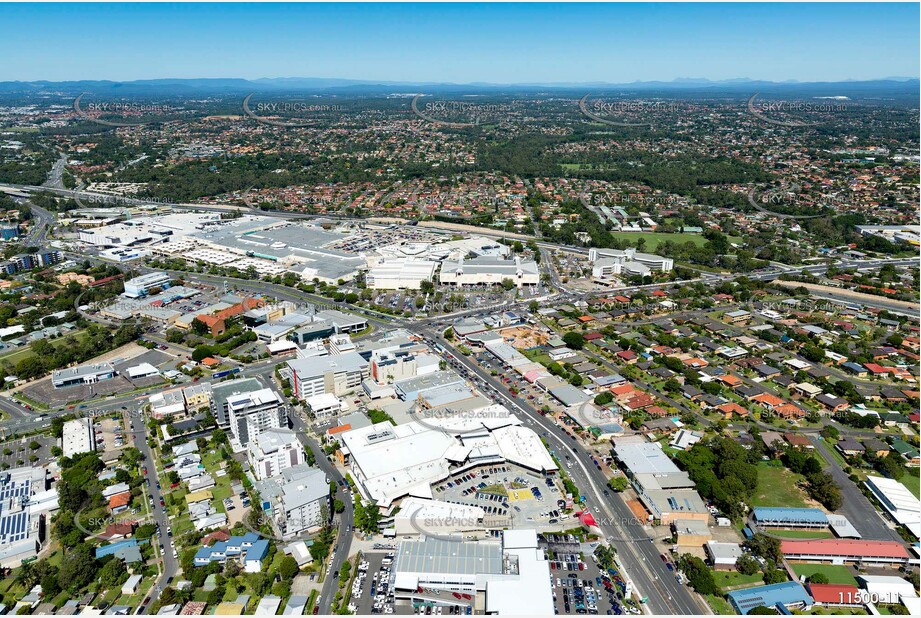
(461,43)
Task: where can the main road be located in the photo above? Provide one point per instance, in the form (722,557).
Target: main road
(636,550)
(345,520)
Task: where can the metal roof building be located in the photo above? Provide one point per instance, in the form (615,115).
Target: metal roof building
(786,594)
(839,551)
(771,517)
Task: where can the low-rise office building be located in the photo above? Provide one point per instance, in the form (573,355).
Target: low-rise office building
(512,574)
(340,374)
(144,284)
(79,436)
(490,271)
(86,374)
(400,274)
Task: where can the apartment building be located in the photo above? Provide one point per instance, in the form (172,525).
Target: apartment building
(273,451)
(254,412)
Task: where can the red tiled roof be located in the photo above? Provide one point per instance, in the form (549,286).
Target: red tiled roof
(844,547)
(217,535)
(120,500)
(836,594)
(623,389)
(732,408)
(768,399)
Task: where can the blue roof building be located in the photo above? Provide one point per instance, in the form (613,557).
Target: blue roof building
(775,596)
(111,548)
(854,368)
(782,517)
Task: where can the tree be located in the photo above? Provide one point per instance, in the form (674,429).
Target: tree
(891,465)
(199,327)
(618,483)
(774,576)
(288,568)
(574,340)
(821,486)
(216,595)
(507,284)
(813,353)
(761,610)
(699,575)
(818,578)
(747,565)
(603,399)
(533,306)
(202,352)
(112,573)
(765,546)
(78,568)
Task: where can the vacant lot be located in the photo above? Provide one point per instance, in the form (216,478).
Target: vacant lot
(777,487)
(836,574)
(911,482)
(654,239)
(802,534)
(731,580)
(24,352)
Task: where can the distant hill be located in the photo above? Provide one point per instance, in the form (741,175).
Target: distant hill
(682,87)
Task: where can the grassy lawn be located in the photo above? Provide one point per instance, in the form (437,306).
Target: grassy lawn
(537,357)
(777,487)
(734,579)
(719,605)
(654,239)
(912,483)
(835,454)
(212,462)
(836,574)
(26,351)
(133,600)
(803,534)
